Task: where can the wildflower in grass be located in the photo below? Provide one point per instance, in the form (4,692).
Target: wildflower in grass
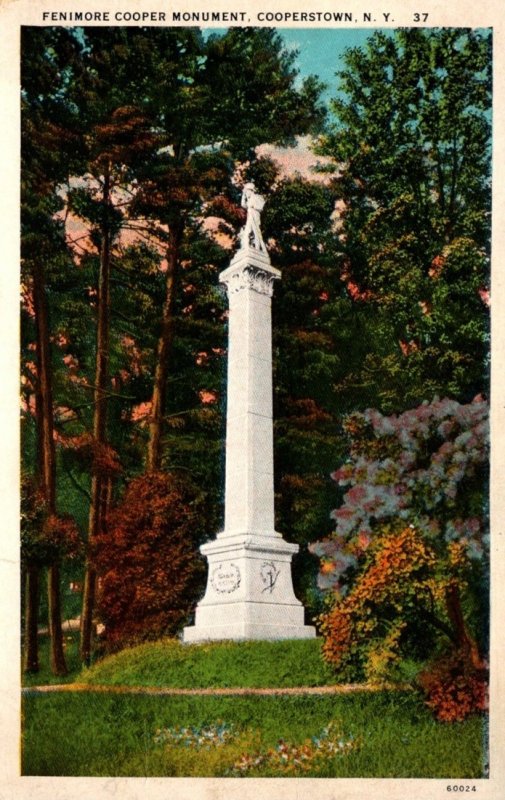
(292,759)
(204,737)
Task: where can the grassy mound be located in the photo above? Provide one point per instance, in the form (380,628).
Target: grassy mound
(388,734)
(171,664)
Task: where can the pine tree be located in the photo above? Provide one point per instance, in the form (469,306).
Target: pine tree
(115,136)
(46,130)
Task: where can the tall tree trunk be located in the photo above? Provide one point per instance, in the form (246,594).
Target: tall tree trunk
(464,639)
(154,450)
(98,508)
(47,459)
(32,577)
(31,646)
(58,664)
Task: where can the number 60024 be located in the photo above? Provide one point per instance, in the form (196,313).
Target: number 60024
(461,788)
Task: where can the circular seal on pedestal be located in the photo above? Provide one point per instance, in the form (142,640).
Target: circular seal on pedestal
(225,578)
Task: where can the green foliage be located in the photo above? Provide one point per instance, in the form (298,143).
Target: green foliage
(249,70)
(411,146)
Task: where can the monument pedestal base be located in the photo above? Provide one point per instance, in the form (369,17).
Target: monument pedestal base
(249,591)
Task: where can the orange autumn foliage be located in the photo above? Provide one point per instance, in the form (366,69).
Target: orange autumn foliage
(398,586)
(398,577)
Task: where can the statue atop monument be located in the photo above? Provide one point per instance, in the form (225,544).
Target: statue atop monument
(250,235)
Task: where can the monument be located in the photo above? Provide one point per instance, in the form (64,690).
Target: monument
(249,592)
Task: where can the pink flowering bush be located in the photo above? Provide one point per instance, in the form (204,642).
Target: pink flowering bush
(424,470)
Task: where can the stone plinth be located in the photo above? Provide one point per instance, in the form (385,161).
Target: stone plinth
(249,592)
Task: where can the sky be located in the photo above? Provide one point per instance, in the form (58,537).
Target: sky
(321,50)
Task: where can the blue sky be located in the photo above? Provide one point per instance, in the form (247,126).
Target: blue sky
(321,50)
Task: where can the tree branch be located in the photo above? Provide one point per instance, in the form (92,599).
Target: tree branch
(77,485)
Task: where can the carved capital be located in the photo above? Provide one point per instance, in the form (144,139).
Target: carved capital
(250,277)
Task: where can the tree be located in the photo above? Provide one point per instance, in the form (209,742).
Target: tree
(411,146)
(47,539)
(411,543)
(411,151)
(115,137)
(150,574)
(46,120)
(232,93)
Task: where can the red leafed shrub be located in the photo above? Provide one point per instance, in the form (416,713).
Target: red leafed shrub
(45,537)
(454,688)
(150,570)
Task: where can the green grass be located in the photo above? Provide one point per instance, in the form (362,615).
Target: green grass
(96,734)
(220,664)
(100,734)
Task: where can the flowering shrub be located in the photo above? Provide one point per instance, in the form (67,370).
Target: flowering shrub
(196,738)
(454,689)
(292,759)
(363,631)
(407,560)
(424,466)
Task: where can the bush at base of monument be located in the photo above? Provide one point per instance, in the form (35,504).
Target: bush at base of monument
(150,571)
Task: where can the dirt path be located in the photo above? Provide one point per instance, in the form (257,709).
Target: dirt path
(233,690)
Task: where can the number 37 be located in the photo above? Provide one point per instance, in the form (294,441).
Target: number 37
(421,17)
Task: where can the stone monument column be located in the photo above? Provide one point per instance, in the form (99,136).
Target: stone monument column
(249,592)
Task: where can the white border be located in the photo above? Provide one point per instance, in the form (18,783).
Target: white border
(13,13)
